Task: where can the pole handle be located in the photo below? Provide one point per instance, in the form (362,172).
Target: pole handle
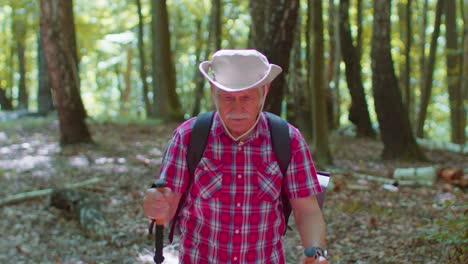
(158,258)
(160,185)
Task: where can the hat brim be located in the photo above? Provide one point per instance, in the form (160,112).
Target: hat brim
(270,75)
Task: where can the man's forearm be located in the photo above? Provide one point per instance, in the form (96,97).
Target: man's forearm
(309,221)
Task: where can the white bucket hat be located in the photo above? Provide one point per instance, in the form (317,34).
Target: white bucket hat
(238,70)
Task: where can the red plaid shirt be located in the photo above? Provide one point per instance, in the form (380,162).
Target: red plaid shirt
(233,210)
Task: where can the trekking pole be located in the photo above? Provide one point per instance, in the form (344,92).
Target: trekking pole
(158,235)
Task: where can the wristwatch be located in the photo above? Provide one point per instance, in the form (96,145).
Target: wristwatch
(315,252)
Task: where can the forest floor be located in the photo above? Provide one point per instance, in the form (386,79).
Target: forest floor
(367,221)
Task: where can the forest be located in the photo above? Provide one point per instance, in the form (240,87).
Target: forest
(91,91)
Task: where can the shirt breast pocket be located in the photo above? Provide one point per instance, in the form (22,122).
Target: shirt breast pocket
(208,179)
(269,182)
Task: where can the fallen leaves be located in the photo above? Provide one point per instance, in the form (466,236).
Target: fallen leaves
(367,221)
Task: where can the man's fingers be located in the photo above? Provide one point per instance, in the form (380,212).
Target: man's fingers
(157,203)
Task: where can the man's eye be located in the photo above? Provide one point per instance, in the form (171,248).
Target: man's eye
(228,98)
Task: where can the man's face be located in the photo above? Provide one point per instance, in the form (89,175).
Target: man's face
(239,110)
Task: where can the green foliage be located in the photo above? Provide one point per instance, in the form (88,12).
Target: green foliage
(450,229)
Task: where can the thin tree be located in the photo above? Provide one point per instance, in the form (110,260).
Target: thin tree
(165,101)
(45,102)
(406,35)
(317,85)
(213,43)
(5,101)
(464,72)
(422,42)
(358,112)
(333,71)
(297,98)
(395,127)
(19,29)
(197,77)
(143,66)
(271,31)
(457,109)
(126,92)
(426,88)
(359,28)
(216,23)
(63,71)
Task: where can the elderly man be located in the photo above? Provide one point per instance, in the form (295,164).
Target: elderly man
(233,210)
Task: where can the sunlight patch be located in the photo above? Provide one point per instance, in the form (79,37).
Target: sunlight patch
(3,137)
(25,163)
(78,161)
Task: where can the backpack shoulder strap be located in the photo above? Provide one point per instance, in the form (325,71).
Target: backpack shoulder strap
(198,140)
(280,140)
(281,143)
(195,149)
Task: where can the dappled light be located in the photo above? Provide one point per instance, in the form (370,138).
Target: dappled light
(25,163)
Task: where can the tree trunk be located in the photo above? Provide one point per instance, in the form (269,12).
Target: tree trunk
(336,69)
(19,27)
(426,88)
(333,66)
(273,24)
(422,44)
(127,90)
(5,102)
(213,43)
(216,23)
(45,102)
(409,36)
(166,103)
(198,77)
(465,53)
(457,111)
(320,125)
(70,33)
(297,98)
(63,71)
(141,52)
(393,119)
(404,13)
(359,28)
(23,92)
(358,112)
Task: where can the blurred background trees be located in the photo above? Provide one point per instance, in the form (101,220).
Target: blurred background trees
(137,59)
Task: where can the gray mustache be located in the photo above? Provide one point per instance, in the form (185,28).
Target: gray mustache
(238,116)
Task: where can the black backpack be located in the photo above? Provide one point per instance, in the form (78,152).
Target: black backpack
(281,147)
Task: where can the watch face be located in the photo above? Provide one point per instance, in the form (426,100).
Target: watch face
(310,251)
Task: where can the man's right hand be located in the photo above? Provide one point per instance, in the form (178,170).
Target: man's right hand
(158,204)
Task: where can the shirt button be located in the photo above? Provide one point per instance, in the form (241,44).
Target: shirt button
(238,204)
(235,258)
(237,231)
(239,176)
